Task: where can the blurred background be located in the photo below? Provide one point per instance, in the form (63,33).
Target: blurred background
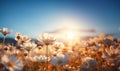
(61,17)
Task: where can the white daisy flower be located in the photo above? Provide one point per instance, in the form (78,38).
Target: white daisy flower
(21,39)
(46,38)
(41,58)
(57,46)
(5,31)
(12,63)
(29,45)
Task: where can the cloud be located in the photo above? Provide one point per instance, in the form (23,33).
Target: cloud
(74,30)
(88,30)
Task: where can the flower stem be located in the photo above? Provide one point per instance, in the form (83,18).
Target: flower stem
(47,57)
(4,41)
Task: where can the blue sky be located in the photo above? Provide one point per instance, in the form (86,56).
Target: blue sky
(33,17)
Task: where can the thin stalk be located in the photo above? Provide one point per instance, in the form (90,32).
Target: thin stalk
(58,68)
(3,41)
(47,57)
(28,60)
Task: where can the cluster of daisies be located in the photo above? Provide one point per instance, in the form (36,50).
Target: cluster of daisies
(100,53)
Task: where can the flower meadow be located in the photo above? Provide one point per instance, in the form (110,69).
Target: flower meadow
(101,53)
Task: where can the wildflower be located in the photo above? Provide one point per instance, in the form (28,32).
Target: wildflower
(41,58)
(38,51)
(105,55)
(101,36)
(57,46)
(7,50)
(67,67)
(24,39)
(5,31)
(21,39)
(25,53)
(113,52)
(12,63)
(46,39)
(59,59)
(90,61)
(110,37)
(29,45)
(18,36)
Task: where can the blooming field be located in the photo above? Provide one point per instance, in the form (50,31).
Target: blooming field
(100,53)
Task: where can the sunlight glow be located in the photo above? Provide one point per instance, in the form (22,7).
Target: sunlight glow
(70,35)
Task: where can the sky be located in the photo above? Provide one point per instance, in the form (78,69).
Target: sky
(33,17)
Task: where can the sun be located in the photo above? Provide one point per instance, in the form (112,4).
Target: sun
(70,35)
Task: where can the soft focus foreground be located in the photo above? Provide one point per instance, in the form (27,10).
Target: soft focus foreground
(100,53)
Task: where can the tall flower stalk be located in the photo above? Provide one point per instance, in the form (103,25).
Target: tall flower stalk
(4,32)
(47,40)
(47,53)
(4,40)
